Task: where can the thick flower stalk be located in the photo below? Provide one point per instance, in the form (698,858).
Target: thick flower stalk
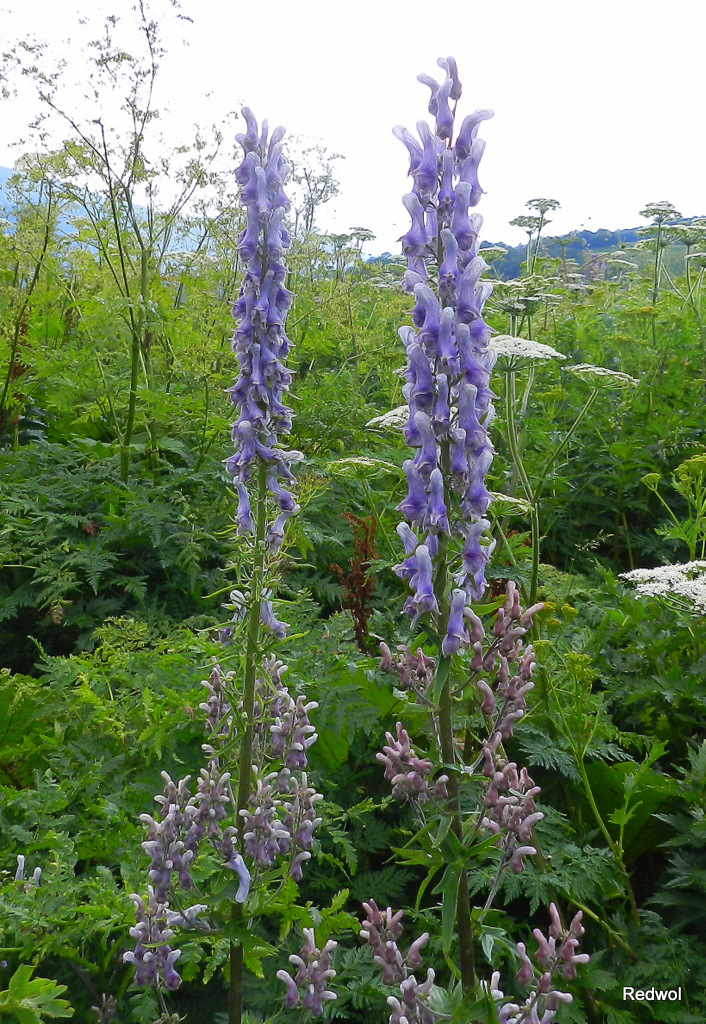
(448,362)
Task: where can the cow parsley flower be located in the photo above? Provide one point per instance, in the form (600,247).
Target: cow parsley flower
(515,351)
(395,419)
(601,376)
(687,581)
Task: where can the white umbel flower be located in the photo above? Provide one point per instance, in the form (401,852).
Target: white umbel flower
(514,350)
(601,376)
(686,581)
(395,419)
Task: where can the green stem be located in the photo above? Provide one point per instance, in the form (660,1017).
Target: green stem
(252,651)
(615,936)
(524,479)
(612,845)
(565,441)
(464,926)
(19,319)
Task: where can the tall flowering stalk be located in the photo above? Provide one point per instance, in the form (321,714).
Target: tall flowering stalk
(475,686)
(450,406)
(259,465)
(254,811)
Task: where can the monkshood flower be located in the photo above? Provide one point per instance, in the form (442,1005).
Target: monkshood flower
(20,873)
(261,344)
(308,989)
(555,958)
(449,360)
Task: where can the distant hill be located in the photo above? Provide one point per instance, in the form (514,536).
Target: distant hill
(576,245)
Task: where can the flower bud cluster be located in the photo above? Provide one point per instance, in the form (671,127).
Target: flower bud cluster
(166,839)
(381,931)
(152,958)
(510,813)
(508,665)
(448,355)
(308,988)
(217,707)
(415,671)
(260,341)
(408,773)
(555,957)
(105,1013)
(280,818)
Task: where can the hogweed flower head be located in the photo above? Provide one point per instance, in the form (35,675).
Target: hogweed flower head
(448,355)
(685,582)
(514,352)
(601,376)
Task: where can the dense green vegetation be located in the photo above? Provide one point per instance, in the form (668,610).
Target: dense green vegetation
(110,589)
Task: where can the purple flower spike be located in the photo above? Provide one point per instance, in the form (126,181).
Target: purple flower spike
(260,341)
(449,359)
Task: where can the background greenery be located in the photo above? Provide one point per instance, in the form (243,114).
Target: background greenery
(115,532)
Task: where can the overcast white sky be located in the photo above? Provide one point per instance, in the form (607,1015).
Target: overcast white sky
(599,105)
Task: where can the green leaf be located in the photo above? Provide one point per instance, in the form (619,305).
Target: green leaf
(32,1001)
(448,888)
